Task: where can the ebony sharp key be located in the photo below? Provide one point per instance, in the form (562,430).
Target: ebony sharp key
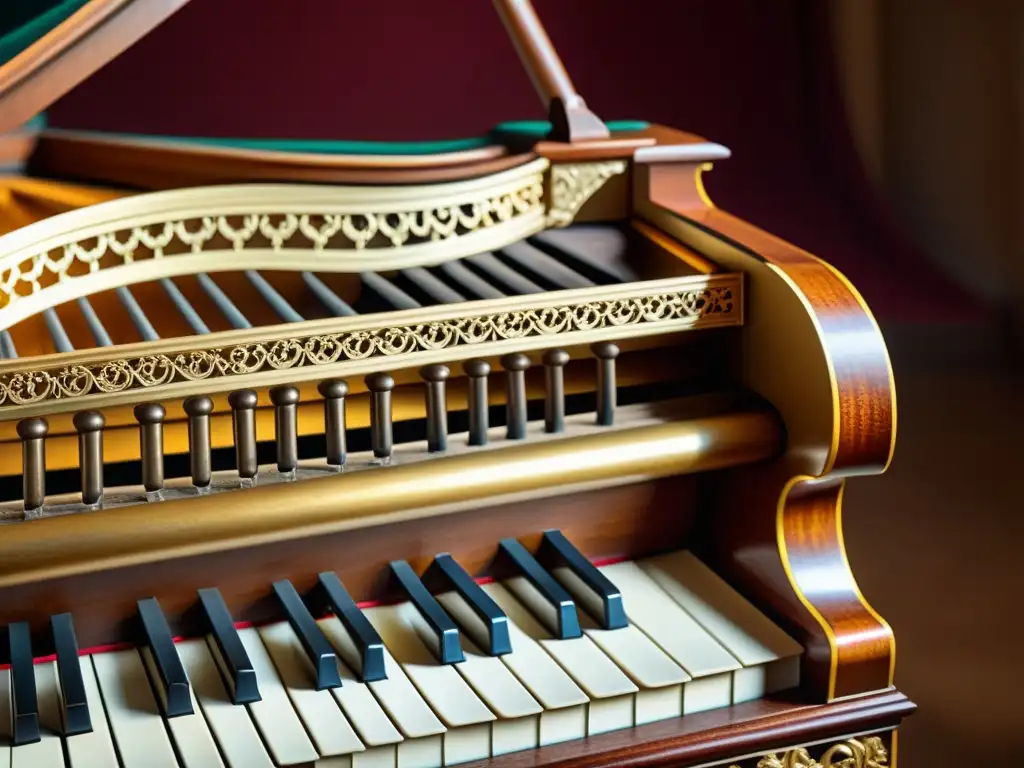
(495,622)
(371,647)
(565,623)
(72,687)
(229,651)
(23,686)
(594,591)
(445,634)
(318,648)
(172,684)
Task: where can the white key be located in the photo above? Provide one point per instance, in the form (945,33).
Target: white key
(676,633)
(371,723)
(660,679)
(611,693)
(230,725)
(6,724)
(48,752)
(467,719)
(191,734)
(770,657)
(565,704)
(518,712)
(135,719)
(96,748)
(423,732)
(331,732)
(274,715)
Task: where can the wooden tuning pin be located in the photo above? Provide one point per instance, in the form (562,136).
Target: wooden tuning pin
(33,464)
(198,410)
(555,361)
(381,431)
(515,366)
(286,428)
(151,447)
(606,352)
(334,392)
(89,425)
(435,377)
(243,417)
(479,422)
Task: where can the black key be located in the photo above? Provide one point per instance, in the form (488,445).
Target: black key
(233,660)
(23,685)
(452,575)
(368,642)
(172,680)
(590,587)
(568,623)
(446,634)
(317,647)
(72,686)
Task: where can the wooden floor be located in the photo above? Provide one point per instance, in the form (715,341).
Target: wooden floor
(937,546)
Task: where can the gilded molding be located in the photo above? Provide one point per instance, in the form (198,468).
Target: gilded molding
(572,184)
(869,752)
(359,344)
(344,229)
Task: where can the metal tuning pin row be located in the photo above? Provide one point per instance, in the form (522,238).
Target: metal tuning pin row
(285,399)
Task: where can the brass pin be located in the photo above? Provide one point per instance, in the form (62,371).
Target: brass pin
(151,447)
(286,428)
(606,352)
(90,455)
(479,417)
(381,431)
(198,410)
(243,417)
(334,392)
(555,361)
(437,406)
(33,463)
(515,366)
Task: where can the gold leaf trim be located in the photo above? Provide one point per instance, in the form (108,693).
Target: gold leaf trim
(712,304)
(572,184)
(158,236)
(853,753)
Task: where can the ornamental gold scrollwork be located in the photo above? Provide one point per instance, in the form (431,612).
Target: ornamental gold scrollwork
(143,372)
(572,184)
(313,231)
(869,752)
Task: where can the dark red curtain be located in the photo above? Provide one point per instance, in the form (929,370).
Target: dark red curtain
(756,75)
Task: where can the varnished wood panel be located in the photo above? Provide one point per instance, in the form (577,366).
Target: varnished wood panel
(767,725)
(778,536)
(139,164)
(629,521)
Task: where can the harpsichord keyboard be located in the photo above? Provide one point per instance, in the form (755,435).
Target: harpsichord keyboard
(555,649)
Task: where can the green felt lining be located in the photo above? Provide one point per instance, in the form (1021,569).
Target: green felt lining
(531,128)
(22,22)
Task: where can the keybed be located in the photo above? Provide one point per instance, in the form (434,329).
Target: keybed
(412,708)
(285,400)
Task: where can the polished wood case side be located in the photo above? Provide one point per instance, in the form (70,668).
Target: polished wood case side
(812,347)
(74,50)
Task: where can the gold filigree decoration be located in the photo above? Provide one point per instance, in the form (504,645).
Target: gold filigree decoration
(853,753)
(28,387)
(312,231)
(572,184)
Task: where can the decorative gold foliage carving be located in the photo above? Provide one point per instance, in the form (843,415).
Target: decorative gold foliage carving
(160,237)
(869,752)
(72,381)
(572,184)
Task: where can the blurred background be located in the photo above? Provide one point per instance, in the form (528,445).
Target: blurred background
(886,137)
